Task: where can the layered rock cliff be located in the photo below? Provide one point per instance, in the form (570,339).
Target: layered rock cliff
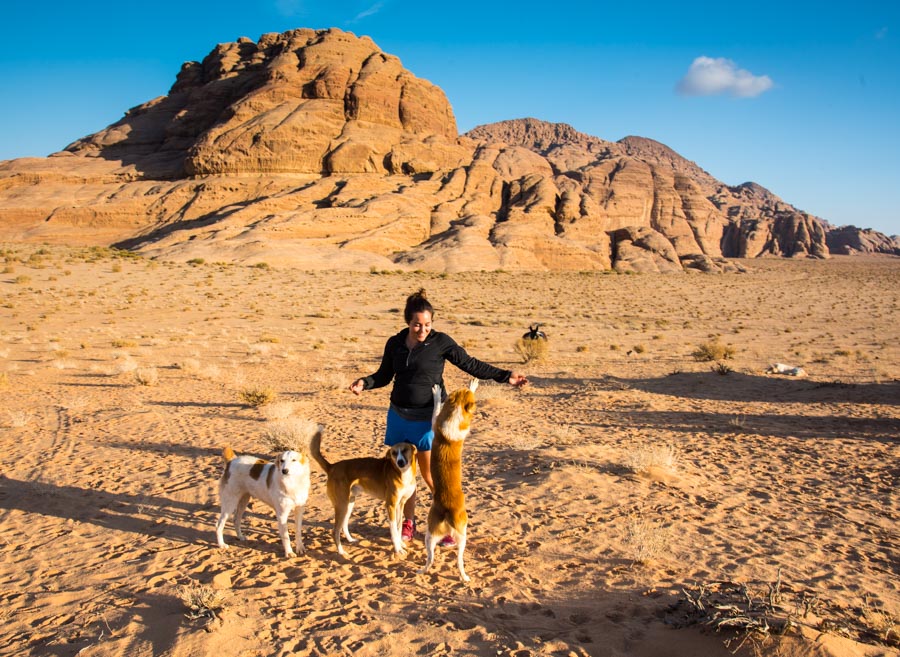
(315,149)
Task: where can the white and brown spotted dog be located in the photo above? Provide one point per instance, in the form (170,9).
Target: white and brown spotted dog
(283,484)
(451,423)
(391,479)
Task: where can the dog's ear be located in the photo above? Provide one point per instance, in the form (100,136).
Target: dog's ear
(473,385)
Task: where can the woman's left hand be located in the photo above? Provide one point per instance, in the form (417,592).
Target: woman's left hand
(517,380)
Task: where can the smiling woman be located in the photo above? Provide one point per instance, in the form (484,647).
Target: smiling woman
(414,360)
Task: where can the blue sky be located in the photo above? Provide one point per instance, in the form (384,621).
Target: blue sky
(800,97)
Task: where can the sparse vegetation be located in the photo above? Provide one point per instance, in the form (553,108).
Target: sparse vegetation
(256,396)
(645,457)
(645,540)
(712,351)
(202,601)
(722,369)
(532,349)
(290,433)
(146,376)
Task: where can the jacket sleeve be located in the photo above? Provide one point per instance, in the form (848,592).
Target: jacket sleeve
(471,365)
(385,372)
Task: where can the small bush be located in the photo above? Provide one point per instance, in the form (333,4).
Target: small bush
(646,540)
(713,350)
(722,369)
(290,433)
(257,396)
(146,376)
(202,601)
(653,456)
(532,350)
(122,344)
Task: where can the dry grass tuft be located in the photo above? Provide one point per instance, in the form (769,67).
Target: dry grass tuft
(202,601)
(532,350)
(146,376)
(291,433)
(642,459)
(646,540)
(713,350)
(256,396)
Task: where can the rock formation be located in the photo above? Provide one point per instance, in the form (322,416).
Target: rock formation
(850,240)
(317,150)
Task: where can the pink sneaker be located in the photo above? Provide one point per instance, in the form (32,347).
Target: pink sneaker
(408,530)
(447,541)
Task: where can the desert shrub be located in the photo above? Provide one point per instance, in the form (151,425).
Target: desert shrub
(202,601)
(532,350)
(653,456)
(722,369)
(645,540)
(257,396)
(146,376)
(290,433)
(122,344)
(713,350)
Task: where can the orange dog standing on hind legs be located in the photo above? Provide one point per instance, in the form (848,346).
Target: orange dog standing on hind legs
(451,423)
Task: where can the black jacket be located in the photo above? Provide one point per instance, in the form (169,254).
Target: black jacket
(415,372)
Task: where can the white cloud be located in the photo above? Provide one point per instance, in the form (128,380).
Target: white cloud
(714,77)
(371,11)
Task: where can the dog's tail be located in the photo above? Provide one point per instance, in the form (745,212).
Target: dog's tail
(228,453)
(315,450)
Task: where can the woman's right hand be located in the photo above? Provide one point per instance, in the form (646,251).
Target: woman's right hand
(357,386)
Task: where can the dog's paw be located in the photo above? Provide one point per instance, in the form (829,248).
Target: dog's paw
(289,554)
(223,546)
(400,552)
(466,579)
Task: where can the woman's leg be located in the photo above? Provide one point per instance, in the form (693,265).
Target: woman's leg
(423,460)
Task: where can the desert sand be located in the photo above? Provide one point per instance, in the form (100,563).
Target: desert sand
(627,476)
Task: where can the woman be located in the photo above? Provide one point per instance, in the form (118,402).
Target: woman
(414,360)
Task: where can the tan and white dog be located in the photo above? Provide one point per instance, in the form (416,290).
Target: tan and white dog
(283,484)
(391,479)
(451,423)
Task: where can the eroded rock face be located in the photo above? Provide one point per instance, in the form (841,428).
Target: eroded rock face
(315,149)
(850,240)
(305,101)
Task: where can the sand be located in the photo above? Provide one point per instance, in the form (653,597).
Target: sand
(625,474)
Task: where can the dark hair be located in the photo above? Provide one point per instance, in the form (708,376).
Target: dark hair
(417,303)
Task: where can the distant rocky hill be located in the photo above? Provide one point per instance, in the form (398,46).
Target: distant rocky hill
(315,149)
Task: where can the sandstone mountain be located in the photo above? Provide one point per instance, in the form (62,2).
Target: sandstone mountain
(317,150)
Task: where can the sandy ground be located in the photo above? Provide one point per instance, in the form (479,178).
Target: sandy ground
(626,478)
